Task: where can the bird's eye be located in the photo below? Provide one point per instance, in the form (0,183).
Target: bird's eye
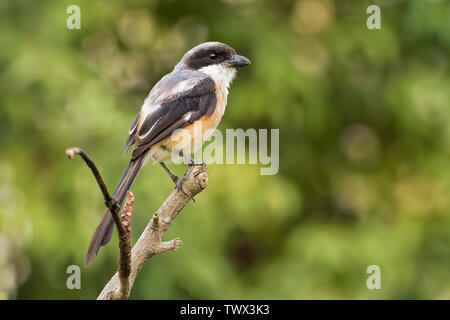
(213,56)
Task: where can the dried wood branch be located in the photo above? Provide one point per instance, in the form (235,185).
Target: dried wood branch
(149,243)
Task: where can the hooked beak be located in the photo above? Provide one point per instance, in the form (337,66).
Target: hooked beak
(238,61)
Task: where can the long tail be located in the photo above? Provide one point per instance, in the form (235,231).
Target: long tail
(103,233)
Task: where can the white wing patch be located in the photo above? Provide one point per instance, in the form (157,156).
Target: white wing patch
(148,131)
(153,101)
(188,116)
(162,93)
(151,106)
(184,86)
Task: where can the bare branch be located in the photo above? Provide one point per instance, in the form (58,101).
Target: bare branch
(149,243)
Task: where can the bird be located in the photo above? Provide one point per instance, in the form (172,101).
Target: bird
(193,95)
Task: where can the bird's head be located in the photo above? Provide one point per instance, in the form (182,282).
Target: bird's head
(216,59)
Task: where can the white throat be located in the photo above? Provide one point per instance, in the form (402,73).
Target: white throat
(221,74)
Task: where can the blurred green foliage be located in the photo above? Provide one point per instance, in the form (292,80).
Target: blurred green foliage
(364,124)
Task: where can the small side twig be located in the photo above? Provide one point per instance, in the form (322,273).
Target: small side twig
(123,233)
(156,245)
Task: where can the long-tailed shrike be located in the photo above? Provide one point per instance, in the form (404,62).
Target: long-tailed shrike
(195,92)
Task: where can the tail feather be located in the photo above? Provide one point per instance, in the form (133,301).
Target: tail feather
(103,232)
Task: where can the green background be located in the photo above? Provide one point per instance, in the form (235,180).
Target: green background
(364,148)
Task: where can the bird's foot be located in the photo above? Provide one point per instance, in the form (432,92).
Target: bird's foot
(194,162)
(179,186)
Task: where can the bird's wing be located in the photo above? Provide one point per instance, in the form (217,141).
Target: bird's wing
(184,105)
